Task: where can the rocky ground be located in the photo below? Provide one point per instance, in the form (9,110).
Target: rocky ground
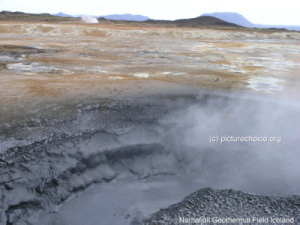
(223,206)
(83,104)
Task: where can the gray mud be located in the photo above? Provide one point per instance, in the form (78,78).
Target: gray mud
(49,159)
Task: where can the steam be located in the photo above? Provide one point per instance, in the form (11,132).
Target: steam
(89,19)
(260,167)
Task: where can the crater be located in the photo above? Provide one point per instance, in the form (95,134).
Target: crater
(121,161)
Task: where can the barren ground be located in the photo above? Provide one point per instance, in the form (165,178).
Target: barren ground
(39,61)
(109,109)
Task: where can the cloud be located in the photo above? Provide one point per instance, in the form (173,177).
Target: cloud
(262,167)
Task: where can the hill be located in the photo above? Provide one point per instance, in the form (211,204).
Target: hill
(196,22)
(231,18)
(239,19)
(126,16)
(21,16)
(205,21)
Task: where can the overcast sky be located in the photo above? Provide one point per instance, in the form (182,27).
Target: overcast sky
(257,11)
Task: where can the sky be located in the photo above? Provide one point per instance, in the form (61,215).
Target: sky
(276,12)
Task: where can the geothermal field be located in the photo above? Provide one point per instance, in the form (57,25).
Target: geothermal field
(135,123)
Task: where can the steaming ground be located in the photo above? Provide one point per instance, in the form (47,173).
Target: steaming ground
(89,19)
(152,161)
(107,126)
(191,162)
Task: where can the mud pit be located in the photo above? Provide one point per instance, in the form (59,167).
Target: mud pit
(106,125)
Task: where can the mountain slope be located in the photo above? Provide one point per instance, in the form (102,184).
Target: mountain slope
(201,21)
(231,18)
(239,19)
(206,21)
(21,16)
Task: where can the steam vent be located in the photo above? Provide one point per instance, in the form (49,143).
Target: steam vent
(155,122)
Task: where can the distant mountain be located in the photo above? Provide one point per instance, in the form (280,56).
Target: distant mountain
(62,14)
(126,16)
(17,13)
(231,18)
(22,16)
(12,13)
(238,19)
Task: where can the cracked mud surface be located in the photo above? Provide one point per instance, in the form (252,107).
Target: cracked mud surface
(87,105)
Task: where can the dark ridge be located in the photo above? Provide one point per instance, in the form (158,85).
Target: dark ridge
(22,13)
(12,13)
(21,16)
(201,21)
(205,21)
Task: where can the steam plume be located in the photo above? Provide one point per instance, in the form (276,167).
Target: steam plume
(89,19)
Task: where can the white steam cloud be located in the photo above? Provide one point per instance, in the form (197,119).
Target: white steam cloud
(257,167)
(89,19)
